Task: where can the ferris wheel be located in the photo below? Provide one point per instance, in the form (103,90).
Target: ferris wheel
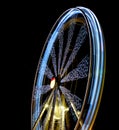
(69,79)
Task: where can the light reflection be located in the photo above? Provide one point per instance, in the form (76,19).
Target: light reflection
(52,83)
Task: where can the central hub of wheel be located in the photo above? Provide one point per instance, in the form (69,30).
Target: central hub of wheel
(52,82)
(55,81)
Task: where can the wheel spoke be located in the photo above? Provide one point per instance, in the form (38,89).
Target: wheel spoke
(53,55)
(69,39)
(43,108)
(73,101)
(80,72)
(80,39)
(48,73)
(41,90)
(71,97)
(60,37)
(46,124)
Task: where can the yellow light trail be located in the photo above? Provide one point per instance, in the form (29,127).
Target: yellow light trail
(42,112)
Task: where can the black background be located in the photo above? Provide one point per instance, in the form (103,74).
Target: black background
(27,25)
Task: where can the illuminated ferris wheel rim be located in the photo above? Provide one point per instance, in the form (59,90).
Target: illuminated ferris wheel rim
(97,61)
